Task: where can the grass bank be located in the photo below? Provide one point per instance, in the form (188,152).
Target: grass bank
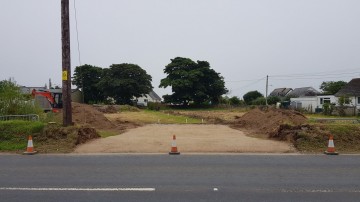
(314,137)
(51,138)
(14,134)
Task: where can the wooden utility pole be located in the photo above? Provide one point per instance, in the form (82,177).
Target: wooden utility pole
(66,68)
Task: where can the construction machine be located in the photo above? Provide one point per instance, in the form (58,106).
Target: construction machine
(47,100)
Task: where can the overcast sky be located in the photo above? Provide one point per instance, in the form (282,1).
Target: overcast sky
(298,43)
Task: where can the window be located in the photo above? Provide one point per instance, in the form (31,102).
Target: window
(358,101)
(324,100)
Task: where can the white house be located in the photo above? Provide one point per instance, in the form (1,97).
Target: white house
(350,91)
(311,103)
(151,97)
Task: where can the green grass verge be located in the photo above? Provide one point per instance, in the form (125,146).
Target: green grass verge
(346,138)
(14,134)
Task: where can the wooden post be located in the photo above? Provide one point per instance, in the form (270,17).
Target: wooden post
(66,68)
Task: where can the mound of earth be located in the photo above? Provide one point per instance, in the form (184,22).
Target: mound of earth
(107,109)
(86,114)
(268,121)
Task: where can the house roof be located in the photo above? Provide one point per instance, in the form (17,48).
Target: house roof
(352,88)
(154,96)
(282,92)
(305,91)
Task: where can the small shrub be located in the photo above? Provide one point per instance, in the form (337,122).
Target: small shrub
(128,108)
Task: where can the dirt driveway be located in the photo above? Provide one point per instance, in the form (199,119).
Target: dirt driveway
(157,138)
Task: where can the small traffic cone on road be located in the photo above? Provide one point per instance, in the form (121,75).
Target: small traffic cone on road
(331,147)
(174,150)
(30,147)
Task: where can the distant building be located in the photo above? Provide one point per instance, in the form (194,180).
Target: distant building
(310,100)
(352,91)
(28,90)
(151,97)
(303,92)
(280,92)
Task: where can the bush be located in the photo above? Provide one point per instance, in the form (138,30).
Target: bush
(128,108)
(259,101)
(13,102)
(235,101)
(272,100)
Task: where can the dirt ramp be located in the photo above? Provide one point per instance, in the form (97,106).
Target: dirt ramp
(268,120)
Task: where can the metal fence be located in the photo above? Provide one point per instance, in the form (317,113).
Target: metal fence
(27,117)
(338,120)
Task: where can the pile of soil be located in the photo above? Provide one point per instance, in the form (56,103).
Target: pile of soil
(85,134)
(86,114)
(55,138)
(107,109)
(268,121)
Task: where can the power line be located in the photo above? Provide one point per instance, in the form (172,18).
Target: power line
(77,34)
(245,86)
(323,73)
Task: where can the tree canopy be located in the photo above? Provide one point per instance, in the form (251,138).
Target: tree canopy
(250,96)
(122,82)
(125,81)
(192,82)
(87,77)
(332,87)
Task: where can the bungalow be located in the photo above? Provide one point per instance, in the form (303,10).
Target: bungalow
(352,91)
(312,103)
(280,92)
(151,97)
(303,92)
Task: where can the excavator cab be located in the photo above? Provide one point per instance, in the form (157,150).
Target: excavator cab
(58,100)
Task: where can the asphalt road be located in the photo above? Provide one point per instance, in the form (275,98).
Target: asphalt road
(179,178)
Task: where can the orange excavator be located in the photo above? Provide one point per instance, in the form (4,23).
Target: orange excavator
(49,101)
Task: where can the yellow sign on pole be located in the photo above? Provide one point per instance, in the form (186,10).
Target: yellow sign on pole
(64,75)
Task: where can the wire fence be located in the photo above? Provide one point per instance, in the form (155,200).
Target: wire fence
(27,117)
(338,120)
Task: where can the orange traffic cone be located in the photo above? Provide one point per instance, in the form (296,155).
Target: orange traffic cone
(30,147)
(174,150)
(331,147)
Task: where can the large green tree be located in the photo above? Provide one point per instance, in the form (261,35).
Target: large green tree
(87,77)
(192,82)
(332,87)
(125,81)
(250,96)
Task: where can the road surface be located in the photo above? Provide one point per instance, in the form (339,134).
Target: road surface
(119,177)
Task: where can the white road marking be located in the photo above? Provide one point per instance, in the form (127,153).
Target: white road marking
(73,189)
(317,191)
(216,189)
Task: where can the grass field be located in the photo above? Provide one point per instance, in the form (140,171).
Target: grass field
(148,117)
